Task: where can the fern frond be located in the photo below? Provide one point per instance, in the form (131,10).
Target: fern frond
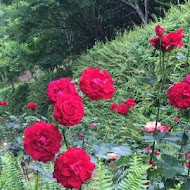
(101,180)
(51,185)
(12,175)
(136,178)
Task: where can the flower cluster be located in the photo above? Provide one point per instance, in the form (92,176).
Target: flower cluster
(179,94)
(167,42)
(152,126)
(3,103)
(32,106)
(123,108)
(73,167)
(68,109)
(42,140)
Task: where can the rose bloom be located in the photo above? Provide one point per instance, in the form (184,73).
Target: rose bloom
(179,95)
(188,155)
(4,103)
(168,41)
(150,126)
(73,167)
(1,117)
(173,39)
(157,153)
(176,119)
(93,125)
(187,164)
(81,137)
(112,155)
(163,128)
(42,141)
(159,30)
(32,106)
(97,84)
(60,87)
(187,79)
(69,110)
(130,103)
(121,108)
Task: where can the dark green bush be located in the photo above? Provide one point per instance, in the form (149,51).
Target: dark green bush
(133,63)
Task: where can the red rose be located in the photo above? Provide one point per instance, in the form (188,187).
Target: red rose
(42,141)
(121,108)
(179,95)
(187,79)
(81,137)
(176,119)
(163,128)
(73,167)
(69,110)
(157,153)
(130,103)
(187,164)
(96,84)
(159,30)
(168,41)
(32,106)
(188,155)
(113,107)
(173,39)
(60,87)
(3,103)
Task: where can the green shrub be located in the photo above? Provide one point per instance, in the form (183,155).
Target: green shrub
(133,63)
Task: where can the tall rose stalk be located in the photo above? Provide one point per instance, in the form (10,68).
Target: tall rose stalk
(164,43)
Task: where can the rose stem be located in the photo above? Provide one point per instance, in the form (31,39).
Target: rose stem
(65,139)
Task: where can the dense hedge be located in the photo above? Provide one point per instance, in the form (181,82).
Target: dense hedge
(133,64)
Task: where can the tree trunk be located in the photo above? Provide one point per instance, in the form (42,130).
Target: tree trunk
(143,16)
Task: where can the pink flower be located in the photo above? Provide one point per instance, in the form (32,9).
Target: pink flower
(187,164)
(148,148)
(4,103)
(1,117)
(176,119)
(152,162)
(81,137)
(188,155)
(113,156)
(123,100)
(163,128)
(156,152)
(150,126)
(93,125)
